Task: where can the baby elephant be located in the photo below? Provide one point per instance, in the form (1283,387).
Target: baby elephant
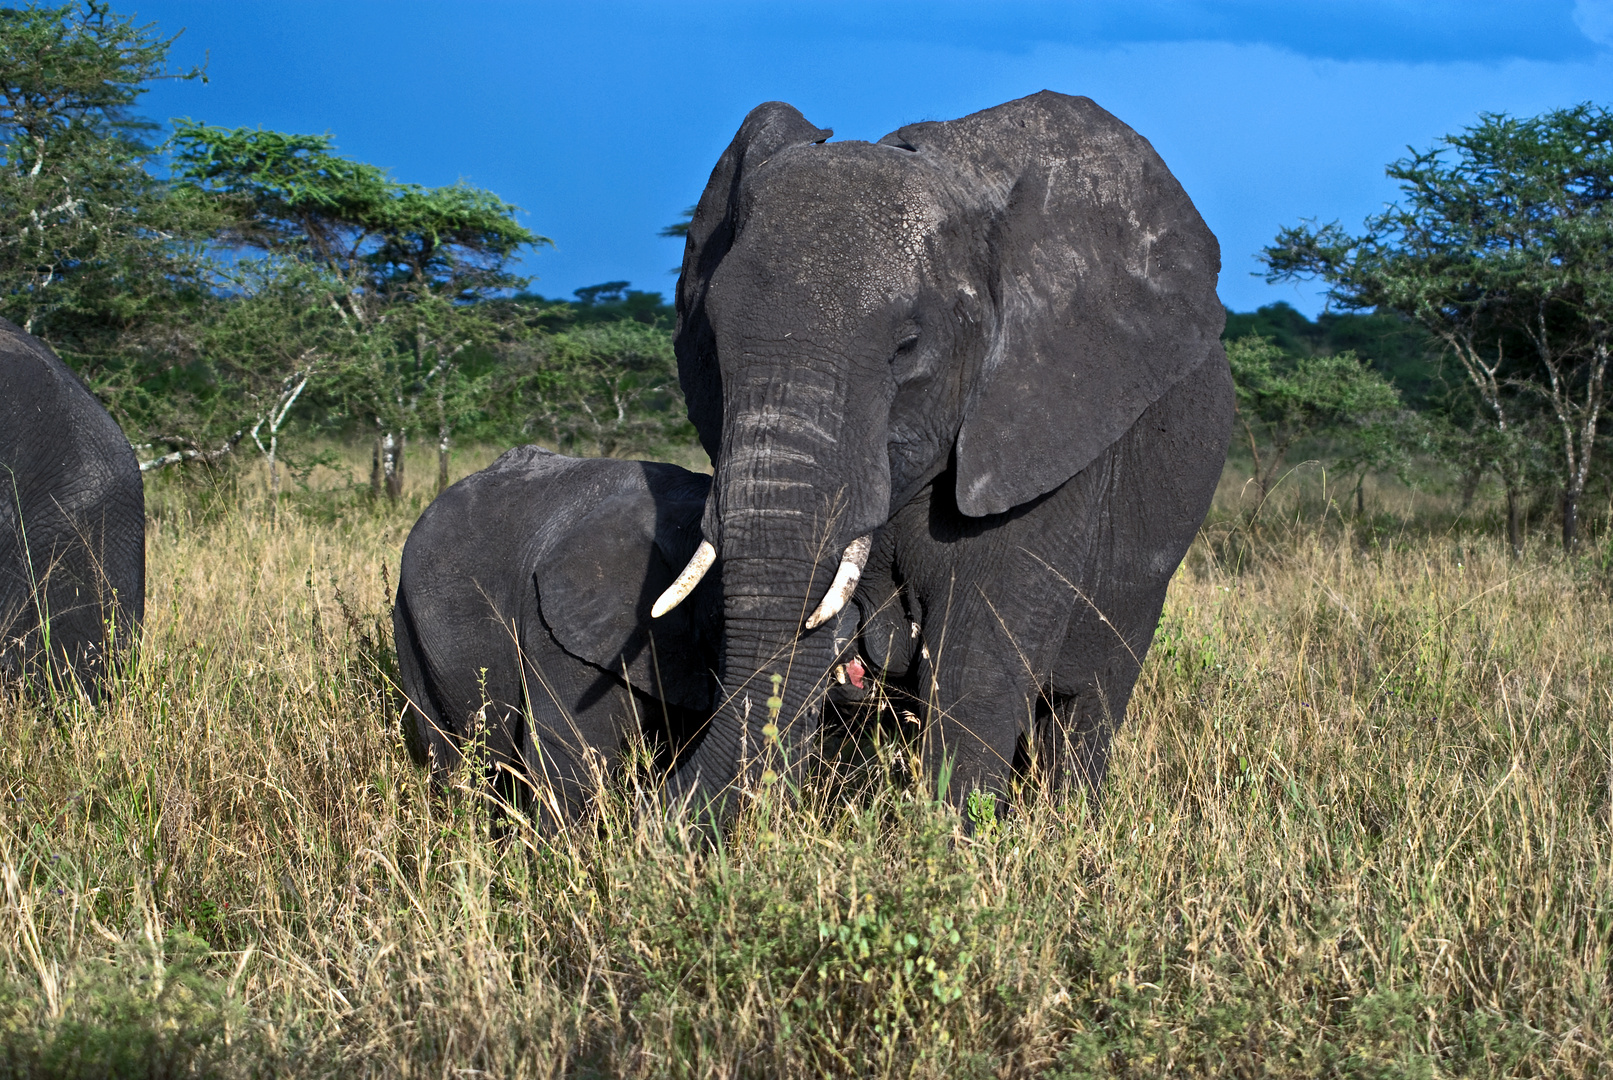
(523,617)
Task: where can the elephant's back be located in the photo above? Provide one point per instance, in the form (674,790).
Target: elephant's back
(516,495)
(488,533)
(58,444)
(537,494)
(72,493)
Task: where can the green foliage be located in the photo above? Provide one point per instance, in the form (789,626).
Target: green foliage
(74,68)
(218,371)
(293,195)
(1502,248)
(611,301)
(87,236)
(269,285)
(402,268)
(608,387)
(866,963)
(1282,398)
(679,228)
(1399,349)
(151,1010)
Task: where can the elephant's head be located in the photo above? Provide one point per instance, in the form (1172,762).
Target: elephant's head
(996,299)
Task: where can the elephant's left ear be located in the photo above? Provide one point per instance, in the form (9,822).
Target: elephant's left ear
(1105,288)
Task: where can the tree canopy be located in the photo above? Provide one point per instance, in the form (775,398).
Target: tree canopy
(1282,397)
(292,195)
(85,231)
(1501,247)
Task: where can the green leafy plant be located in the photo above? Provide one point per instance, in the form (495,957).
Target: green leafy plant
(153,1010)
(1283,397)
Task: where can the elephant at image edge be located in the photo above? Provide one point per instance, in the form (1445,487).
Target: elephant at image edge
(991,345)
(555,561)
(72,521)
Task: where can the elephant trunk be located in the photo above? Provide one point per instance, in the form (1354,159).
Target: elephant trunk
(792,492)
(773,674)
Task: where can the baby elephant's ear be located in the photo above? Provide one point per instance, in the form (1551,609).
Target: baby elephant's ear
(596,591)
(1105,293)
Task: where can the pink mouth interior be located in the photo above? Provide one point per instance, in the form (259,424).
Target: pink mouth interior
(855,672)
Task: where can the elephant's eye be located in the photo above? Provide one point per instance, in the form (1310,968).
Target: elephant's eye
(907,344)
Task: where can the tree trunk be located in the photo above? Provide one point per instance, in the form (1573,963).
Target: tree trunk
(1570,522)
(1360,494)
(375,468)
(274,479)
(442,459)
(392,465)
(1470,486)
(1514,522)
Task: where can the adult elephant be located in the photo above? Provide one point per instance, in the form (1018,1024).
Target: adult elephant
(72,521)
(980,361)
(523,617)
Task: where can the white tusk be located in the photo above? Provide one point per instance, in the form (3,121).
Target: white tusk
(679,590)
(844,584)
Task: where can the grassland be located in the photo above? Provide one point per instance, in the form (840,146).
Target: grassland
(1357,824)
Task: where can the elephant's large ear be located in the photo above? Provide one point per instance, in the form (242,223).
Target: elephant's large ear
(768,129)
(596,590)
(1104,282)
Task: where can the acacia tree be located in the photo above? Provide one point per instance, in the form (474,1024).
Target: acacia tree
(1502,247)
(87,237)
(404,266)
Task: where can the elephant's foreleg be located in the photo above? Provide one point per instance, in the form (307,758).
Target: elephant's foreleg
(989,596)
(1157,482)
(979,678)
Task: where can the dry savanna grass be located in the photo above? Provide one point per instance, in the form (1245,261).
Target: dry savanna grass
(1357,824)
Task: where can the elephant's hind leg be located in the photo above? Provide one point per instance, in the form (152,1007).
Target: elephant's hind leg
(422,714)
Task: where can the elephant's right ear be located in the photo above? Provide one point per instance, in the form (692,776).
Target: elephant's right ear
(768,129)
(595,593)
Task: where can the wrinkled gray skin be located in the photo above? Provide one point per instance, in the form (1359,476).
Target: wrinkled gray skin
(527,587)
(992,342)
(72,521)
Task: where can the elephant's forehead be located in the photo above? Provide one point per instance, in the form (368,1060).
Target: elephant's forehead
(880,197)
(844,234)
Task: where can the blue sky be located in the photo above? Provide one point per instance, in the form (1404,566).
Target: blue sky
(602,120)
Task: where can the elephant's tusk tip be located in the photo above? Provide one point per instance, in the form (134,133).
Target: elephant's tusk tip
(680,589)
(844,584)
